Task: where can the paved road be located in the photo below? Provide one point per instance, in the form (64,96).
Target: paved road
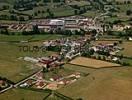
(27,78)
(17,84)
(11,86)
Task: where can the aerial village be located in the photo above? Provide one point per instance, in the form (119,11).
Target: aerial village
(67,50)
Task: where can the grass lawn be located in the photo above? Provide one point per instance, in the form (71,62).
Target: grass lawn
(21,94)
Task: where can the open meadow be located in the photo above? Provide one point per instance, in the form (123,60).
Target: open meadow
(102,84)
(13,68)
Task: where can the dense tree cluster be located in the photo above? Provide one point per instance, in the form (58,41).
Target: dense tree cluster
(25,4)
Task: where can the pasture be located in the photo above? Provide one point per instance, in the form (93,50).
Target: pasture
(111,84)
(93,63)
(10,66)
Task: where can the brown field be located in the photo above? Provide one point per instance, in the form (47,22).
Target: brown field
(102,84)
(93,63)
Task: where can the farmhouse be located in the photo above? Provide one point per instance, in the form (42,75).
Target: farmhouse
(31,59)
(40,84)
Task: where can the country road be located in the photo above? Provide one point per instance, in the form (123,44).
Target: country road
(17,84)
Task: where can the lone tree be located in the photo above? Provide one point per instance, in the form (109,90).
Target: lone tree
(128,12)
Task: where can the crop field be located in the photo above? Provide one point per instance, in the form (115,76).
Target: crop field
(22,94)
(93,63)
(102,84)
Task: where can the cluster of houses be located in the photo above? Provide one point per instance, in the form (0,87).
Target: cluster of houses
(121,27)
(69,48)
(20,27)
(3,84)
(72,23)
(108,50)
(111,48)
(17,27)
(38,81)
(47,63)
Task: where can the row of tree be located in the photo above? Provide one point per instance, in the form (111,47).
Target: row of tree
(15,17)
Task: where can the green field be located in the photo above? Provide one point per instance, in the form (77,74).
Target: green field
(10,66)
(58,12)
(91,14)
(110,84)
(6,38)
